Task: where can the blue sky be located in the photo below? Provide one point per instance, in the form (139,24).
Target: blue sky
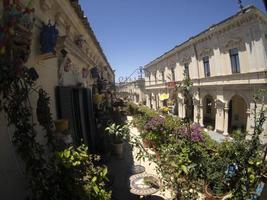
(134,32)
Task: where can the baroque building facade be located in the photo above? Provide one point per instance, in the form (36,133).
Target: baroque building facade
(227,64)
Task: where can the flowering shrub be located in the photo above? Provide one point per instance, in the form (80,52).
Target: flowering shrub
(164,109)
(192,132)
(155,124)
(172,124)
(155,131)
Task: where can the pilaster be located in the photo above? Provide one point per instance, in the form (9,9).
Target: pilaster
(219,118)
(225,131)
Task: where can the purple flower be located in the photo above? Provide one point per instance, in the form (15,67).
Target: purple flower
(155,124)
(192,132)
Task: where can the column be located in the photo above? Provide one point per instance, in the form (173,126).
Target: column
(183,110)
(225,132)
(196,112)
(248,121)
(201,115)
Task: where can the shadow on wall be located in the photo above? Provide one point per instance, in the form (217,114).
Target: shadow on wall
(12,181)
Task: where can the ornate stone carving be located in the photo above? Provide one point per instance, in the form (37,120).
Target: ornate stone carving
(205,52)
(235,43)
(219,104)
(186,59)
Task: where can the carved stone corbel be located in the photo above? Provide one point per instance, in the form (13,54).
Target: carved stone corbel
(205,52)
(186,59)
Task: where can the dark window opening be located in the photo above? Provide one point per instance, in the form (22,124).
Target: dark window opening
(206,64)
(235,65)
(186,70)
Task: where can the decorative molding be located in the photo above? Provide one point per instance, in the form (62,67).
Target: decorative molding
(205,52)
(235,43)
(45,5)
(185,59)
(219,104)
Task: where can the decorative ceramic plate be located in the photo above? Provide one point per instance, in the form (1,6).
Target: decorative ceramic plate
(144,184)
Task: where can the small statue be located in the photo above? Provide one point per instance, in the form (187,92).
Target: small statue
(48,38)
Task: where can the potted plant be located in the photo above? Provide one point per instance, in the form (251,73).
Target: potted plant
(217,185)
(119,133)
(61,125)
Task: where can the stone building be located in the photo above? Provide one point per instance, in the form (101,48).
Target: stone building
(134,90)
(227,64)
(76,62)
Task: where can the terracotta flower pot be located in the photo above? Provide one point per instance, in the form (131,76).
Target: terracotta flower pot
(209,195)
(146,143)
(61,125)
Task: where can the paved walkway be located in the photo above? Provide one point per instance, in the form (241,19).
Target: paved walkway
(216,136)
(120,171)
(149,166)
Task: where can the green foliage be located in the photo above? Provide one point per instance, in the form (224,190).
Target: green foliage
(80,177)
(185,164)
(172,123)
(132,108)
(147,113)
(139,122)
(118,132)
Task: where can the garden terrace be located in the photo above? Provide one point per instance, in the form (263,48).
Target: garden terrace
(191,163)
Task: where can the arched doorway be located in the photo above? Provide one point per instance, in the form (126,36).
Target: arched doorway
(189,108)
(237,114)
(209,111)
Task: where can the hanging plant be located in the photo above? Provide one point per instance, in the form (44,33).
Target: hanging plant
(17,83)
(48,37)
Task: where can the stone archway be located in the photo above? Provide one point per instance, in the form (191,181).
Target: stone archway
(209,111)
(189,108)
(237,114)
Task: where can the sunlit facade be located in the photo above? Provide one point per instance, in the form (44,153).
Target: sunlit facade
(227,63)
